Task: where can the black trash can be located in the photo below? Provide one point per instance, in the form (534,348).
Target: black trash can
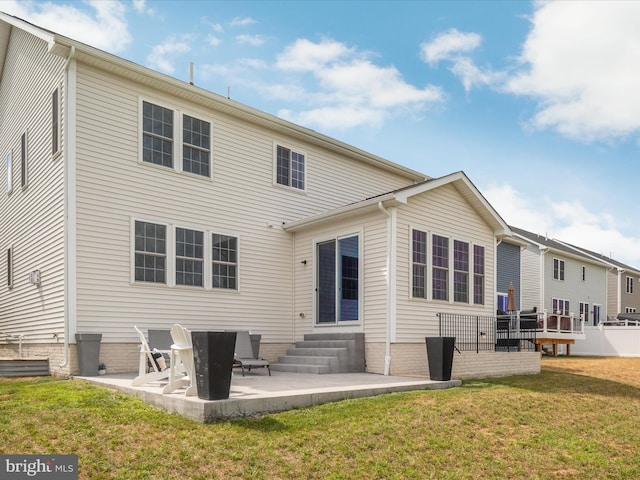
(88,346)
(440,357)
(213,358)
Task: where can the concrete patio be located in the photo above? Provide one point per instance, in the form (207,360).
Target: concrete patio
(257,393)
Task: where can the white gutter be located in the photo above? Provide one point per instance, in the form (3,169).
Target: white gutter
(69,158)
(391,214)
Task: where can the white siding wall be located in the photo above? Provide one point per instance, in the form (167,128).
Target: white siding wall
(241,200)
(372,230)
(443,212)
(613,288)
(31,219)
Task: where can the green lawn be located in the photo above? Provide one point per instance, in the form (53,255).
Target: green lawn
(580,418)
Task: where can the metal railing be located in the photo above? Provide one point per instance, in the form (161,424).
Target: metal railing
(10,336)
(486,333)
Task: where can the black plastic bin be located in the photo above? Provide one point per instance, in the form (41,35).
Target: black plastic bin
(88,346)
(440,357)
(213,358)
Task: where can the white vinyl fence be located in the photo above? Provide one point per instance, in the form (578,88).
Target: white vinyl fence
(609,341)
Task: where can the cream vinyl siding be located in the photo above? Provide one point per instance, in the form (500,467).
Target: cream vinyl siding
(372,228)
(444,212)
(114,187)
(32,219)
(613,289)
(531,286)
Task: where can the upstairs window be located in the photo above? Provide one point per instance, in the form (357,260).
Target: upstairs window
(629,284)
(558,269)
(290,168)
(150,252)
(196,147)
(584,273)
(157,136)
(55,122)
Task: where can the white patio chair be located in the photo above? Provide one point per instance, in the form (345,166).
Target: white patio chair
(148,368)
(182,370)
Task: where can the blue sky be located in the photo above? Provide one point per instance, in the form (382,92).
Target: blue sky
(538,102)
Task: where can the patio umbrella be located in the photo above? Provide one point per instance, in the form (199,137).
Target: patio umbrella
(511,299)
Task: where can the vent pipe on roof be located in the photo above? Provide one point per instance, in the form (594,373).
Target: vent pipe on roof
(190,73)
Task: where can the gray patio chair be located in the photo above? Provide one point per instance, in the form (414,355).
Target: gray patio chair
(244,357)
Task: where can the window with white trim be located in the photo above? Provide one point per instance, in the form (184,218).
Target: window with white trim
(224,261)
(629,284)
(440,268)
(290,168)
(163,128)
(23,160)
(419,264)
(478,275)
(189,257)
(460,271)
(584,273)
(596,314)
(558,269)
(560,306)
(584,312)
(10,267)
(150,252)
(55,122)
(629,309)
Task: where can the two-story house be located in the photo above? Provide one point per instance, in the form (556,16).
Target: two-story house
(133,198)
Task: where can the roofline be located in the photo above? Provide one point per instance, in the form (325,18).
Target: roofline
(59,44)
(579,255)
(609,261)
(401,197)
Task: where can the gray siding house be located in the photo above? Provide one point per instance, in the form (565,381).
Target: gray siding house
(133,198)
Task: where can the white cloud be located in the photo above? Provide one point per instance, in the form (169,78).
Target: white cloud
(139,5)
(448,45)
(349,89)
(213,40)
(254,40)
(242,21)
(568,221)
(160,56)
(580,60)
(104,26)
(304,55)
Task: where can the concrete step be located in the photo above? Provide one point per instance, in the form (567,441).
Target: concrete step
(318,352)
(324,344)
(296,368)
(333,336)
(307,360)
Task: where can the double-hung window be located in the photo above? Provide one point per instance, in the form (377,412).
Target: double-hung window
(224,265)
(629,284)
(150,252)
(419,261)
(164,128)
(478,274)
(440,268)
(196,146)
(460,271)
(189,257)
(157,135)
(23,160)
(290,168)
(558,269)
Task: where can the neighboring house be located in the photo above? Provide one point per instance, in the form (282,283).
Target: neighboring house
(623,285)
(133,198)
(561,279)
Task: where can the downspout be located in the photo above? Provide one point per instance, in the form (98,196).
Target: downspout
(69,211)
(620,287)
(391,283)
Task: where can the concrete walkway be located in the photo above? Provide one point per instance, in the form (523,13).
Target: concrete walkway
(257,393)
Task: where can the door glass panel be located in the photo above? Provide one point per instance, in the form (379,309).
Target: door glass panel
(348,278)
(327,282)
